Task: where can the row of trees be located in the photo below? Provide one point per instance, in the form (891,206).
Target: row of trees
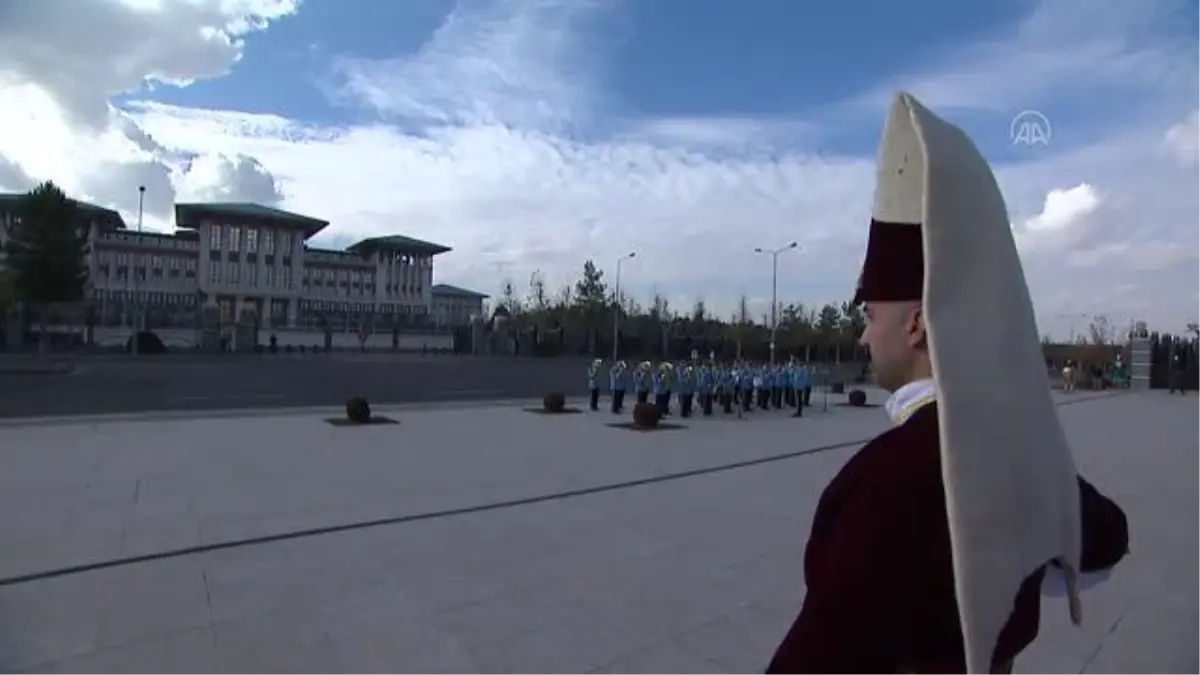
(580,319)
(43,255)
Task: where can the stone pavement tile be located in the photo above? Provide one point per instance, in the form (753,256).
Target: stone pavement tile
(577,642)
(382,608)
(376,653)
(189,651)
(288,640)
(738,642)
(664,657)
(147,533)
(53,619)
(248,581)
(444,587)
(663,600)
(252,580)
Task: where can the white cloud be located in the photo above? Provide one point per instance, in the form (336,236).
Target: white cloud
(1111,47)
(13,177)
(1064,208)
(480,148)
(738,134)
(63,61)
(511,62)
(1064,221)
(1183,140)
(222,178)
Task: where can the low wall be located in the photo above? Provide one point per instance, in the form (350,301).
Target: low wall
(118,336)
(345,341)
(109,337)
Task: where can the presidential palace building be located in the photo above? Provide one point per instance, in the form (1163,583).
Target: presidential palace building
(243,273)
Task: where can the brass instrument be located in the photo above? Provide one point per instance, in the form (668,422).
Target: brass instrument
(665,371)
(618,368)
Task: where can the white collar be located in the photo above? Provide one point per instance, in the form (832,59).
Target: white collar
(907,399)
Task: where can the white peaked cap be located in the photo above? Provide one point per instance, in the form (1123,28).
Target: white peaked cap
(1011,492)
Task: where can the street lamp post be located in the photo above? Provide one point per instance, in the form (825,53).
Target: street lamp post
(774,253)
(137,300)
(617,304)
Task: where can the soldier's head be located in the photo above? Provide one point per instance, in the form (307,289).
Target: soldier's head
(895,339)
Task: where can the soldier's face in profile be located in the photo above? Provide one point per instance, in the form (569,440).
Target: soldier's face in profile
(894,337)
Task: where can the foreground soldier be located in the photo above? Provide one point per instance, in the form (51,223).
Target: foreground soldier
(593,384)
(929,547)
(747,381)
(726,387)
(778,384)
(641,382)
(704,386)
(616,383)
(797,388)
(684,387)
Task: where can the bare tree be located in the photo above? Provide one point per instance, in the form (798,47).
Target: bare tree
(509,299)
(538,300)
(741,320)
(743,311)
(1100,330)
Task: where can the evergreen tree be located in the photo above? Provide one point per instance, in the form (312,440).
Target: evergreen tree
(591,300)
(46,251)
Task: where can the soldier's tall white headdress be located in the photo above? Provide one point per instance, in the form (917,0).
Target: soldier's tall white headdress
(940,234)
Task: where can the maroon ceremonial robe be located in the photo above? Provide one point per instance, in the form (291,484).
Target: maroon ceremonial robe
(879,570)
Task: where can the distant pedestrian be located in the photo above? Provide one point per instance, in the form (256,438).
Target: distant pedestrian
(1175,379)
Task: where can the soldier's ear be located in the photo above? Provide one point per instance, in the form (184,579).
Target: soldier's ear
(916,328)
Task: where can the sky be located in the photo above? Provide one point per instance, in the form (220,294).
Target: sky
(532,135)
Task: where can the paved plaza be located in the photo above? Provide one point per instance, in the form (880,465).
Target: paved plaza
(505,541)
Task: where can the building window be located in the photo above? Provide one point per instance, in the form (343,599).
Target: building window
(235,273)
(214,272)
(252,273)
(251,240)
(270,277)
(285,239)
(287,277)
(214,237)
(235,238)
(268,240)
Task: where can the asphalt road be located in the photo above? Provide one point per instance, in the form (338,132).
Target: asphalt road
(122,385)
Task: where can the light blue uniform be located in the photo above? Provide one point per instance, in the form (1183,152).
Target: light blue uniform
(616,381)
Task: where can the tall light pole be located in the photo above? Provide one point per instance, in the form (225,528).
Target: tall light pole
(617,304)
(137,300)
(774,253)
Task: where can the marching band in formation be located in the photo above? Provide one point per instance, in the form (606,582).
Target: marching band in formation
(731,388)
